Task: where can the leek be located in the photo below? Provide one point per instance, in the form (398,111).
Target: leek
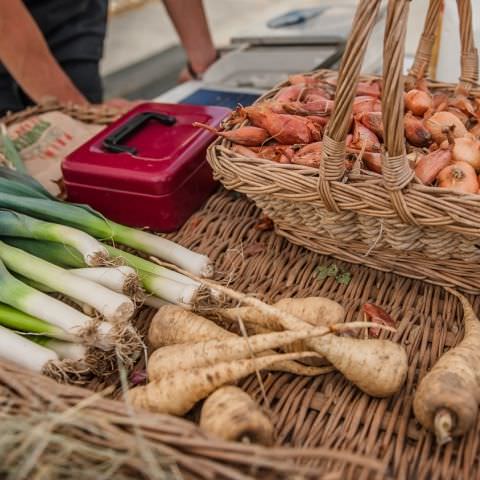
(86,219)
(143,265)
(18,295)
(17,320)
(112,305)
(14,348)
(23,184)
(120,279)
(64,350)
(154,302)
(17,225)
(160,281)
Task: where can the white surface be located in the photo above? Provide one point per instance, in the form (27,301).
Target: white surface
(448,68)
(138,34)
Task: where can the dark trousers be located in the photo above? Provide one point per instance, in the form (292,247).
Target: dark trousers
(83,73)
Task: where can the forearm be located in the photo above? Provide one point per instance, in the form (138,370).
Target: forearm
(25,54)
(192,28)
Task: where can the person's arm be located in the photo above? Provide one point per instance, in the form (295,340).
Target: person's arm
(188,17)
(25,54)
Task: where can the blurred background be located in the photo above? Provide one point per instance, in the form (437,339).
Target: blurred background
(143,56)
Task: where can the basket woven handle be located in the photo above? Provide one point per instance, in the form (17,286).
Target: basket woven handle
(396,170)
(469,58)
(423,54)
(332,166)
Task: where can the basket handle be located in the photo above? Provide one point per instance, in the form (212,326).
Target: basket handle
(423,54)
(469,58)
(396,170)
(332,166)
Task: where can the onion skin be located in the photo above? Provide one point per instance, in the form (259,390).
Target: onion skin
(244,151)
(371,89)
(430,165)
(459,177)
(418,101)
(416,132)
(286,129)
(463,117)
(440,101)
(289,94)
(366,104)
(373,161)
(373,121)
(444,120)
(321,106)
(275,153)
(364,139)
(247,136)
(467,149)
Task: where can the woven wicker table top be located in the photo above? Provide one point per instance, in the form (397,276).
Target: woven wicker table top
(327,411)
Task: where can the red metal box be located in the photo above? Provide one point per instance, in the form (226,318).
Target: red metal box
(148,169)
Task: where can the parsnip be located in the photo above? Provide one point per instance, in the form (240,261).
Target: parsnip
(231,414)
(313,310)
(177,392)
(446,401)
(174,358)
(377,367)
(173,325)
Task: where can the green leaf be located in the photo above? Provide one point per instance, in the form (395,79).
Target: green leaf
(344,278)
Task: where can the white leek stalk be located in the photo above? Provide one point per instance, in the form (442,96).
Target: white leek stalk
(118,279)
(18,295)
(15,224)
(86,219)
(112,305)
(64,350)
(169,290)
(154,302)
(14,348)
(21,321)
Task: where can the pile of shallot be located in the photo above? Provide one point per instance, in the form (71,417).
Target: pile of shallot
(442,130)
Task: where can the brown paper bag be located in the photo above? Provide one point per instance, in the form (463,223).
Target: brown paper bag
(45,140)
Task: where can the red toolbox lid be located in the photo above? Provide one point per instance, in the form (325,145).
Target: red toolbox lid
(152,149)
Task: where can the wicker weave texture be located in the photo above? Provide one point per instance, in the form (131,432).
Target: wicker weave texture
(370,438)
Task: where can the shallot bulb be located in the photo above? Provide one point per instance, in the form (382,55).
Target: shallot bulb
(289,94)
(286,129)
(459,177)
(366,104)
(364,139)
(418,101)
(247,136)
(373,121)
(467,149)
(415,131)
(441,122)
(429,166)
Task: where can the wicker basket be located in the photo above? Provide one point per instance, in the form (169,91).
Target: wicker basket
(389,222)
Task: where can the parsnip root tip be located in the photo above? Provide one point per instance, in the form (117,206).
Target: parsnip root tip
(443,426)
